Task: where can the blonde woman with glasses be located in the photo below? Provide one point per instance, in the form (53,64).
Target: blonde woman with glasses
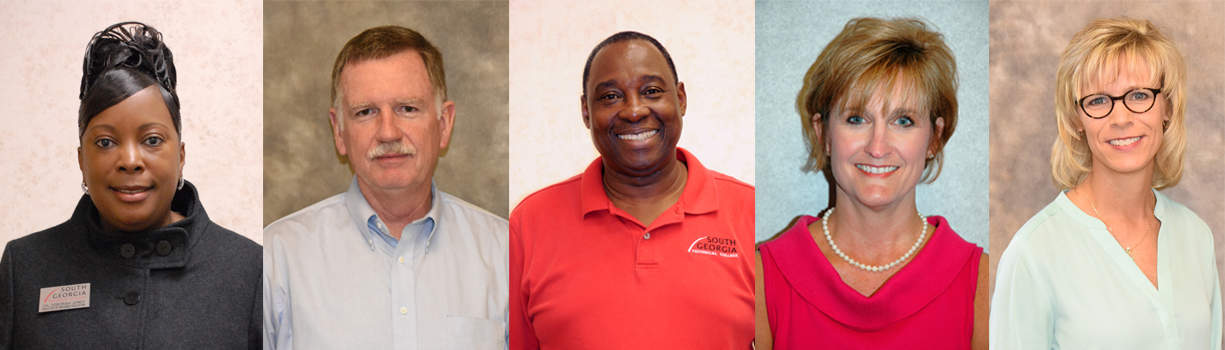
(1111,263)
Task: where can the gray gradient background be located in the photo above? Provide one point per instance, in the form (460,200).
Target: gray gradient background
(1026,40)
(301,40)
(790,35)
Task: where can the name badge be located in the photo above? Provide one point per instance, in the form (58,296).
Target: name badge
(73,296)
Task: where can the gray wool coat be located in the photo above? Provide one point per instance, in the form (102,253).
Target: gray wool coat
(190,285)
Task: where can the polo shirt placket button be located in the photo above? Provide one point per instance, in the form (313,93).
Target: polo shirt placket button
(164,248)
(132,298)
(127,250)
(646,235)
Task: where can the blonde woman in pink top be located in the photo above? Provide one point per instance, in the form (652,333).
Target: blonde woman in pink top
(878,106)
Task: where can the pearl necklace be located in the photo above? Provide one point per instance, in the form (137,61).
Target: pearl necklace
(913,248)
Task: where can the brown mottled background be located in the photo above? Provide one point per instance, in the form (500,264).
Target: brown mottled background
(1026,40)
(301,40)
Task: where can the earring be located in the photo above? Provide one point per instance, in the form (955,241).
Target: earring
(180,183)
(84,188)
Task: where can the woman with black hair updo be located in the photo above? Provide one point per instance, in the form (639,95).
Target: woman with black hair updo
(139,264)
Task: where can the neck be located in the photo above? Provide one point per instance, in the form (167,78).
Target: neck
(645,197)
(397,207)
(871,228)
(1118,197)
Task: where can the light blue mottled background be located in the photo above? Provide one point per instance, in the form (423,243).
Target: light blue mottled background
(790,35)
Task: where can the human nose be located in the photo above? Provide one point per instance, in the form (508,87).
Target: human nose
(1121,116)
(387,130)
(635,109)
(130,160)
(878,143)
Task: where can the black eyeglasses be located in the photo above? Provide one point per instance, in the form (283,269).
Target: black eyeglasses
(1139,100)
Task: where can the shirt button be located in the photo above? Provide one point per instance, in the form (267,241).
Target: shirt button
(132,298)
(646,235)
(401,260)
(403,310)
(164,248)
(127,250)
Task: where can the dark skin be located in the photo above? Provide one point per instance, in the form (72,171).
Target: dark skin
(633,107)
(131,159)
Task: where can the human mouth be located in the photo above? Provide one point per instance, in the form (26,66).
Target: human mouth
(132,193)
(638,136)
(876,170)
(1124,142)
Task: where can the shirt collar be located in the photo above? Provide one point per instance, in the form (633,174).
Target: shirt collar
(699,196)
(364,218)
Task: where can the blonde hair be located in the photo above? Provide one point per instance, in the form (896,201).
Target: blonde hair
(1104,44)
(872,54)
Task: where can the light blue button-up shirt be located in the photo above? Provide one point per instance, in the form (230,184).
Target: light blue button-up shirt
(335,279)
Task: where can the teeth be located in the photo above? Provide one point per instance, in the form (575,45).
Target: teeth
(875,169)
(639,136)
(1124,142)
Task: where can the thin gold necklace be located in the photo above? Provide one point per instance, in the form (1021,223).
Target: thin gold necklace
(1128,250)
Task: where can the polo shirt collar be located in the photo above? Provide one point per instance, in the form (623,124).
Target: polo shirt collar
(361,214)
(699,196)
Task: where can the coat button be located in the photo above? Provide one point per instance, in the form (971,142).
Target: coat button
(164,248)
(132,298)
(127,250)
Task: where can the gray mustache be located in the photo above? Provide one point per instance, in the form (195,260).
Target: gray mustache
(386,148)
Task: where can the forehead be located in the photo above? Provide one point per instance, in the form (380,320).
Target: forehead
(884,91)
(144,107)
(1119,72)
(627,60)
(399,76)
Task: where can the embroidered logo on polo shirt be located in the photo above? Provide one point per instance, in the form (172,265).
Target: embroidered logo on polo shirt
(717,246)
(73,296)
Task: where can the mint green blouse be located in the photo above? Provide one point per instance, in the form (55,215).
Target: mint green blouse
(1065,283)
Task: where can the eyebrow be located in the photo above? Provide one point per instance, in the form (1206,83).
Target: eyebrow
(613,82)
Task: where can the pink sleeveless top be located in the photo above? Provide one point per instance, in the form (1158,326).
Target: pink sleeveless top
(928,304)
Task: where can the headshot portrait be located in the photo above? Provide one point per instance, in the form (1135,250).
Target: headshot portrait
(385,179)
(631,176)
(133,181)
(879,114)
(1106,119)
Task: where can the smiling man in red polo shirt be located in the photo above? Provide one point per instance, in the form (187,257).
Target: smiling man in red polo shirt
(646,249)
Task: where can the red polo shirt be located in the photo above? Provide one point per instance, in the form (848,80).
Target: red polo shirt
(587,275)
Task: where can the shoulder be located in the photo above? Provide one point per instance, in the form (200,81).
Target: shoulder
(552,196)
(43,242)
(470,213)
(233,244)
(1048,228)
(1192,230)
(307,222)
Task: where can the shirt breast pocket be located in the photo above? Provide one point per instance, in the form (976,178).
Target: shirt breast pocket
(463,332)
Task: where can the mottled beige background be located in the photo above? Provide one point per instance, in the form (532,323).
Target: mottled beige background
(301,165)
(1026,40)
(711,44)
(217,51)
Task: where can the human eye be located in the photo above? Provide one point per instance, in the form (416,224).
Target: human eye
(652,91)
(364,112)
(608,96)
(1097,100)
(904,121)
(154,141)
(855,119)
(105,143)
(1139,95)
(407,109)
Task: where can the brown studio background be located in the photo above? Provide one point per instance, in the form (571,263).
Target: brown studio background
(1026,40)
(301,40)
